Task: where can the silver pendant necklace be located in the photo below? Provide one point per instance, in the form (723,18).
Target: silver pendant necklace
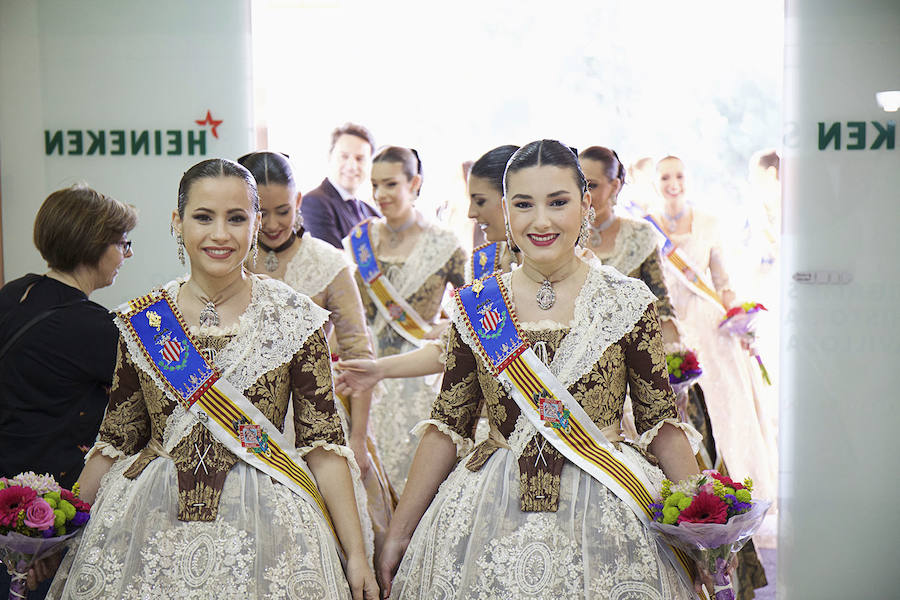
(546,295)
(209,314)
(597,230)
(394,237)
(271,260)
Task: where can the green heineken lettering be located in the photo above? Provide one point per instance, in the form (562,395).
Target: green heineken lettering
(174,142)
(75,141)
(117,142)
(197,142)
(141,140)
(52,144)
(97,142)
(834,132)
(856,130)
(885,135)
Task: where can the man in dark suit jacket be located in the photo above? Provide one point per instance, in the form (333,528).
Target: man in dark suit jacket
(331,210)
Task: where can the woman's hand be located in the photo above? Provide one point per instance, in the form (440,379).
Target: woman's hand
(391,554)
(439,328)
(44,568)
(705,578)
(361,578)
(357,376)
(360,452)
(728,299)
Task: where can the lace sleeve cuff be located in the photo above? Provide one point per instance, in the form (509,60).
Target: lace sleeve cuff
(106,449)
(693,436)
(338,449)
(463,445)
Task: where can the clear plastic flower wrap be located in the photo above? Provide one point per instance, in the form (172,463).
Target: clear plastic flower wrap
(37,516)
(710,517)
(741,321)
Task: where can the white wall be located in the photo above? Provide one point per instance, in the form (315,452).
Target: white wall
(110,65)
(840,415)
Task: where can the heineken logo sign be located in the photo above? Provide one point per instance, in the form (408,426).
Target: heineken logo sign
(857,135)
(190,141)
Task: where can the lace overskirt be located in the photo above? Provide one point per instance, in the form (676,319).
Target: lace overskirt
(265,543)
(475,543)
(400,406)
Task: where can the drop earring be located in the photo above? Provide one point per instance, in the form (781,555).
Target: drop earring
(254,254)
(179,240)
(585,227)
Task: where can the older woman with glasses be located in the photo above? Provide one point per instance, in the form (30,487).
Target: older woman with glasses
(57,348)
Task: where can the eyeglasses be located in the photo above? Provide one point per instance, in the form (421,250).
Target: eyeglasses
(125,246)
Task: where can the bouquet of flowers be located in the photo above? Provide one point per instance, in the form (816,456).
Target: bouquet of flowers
(710,517)
(741,321)
(36,516)
(683,367)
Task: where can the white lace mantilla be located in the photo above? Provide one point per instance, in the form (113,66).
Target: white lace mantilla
(635,241)
(607,307)
(271,330)
(314,266)
(432,250)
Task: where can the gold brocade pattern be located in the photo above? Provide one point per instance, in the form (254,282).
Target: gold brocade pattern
(636,361)
(138,411)
(651,273)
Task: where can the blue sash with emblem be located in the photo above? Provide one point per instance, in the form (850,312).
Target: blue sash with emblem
(155,325)
(387,300)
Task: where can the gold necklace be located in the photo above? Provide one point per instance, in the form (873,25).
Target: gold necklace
(546,295)
(209,316)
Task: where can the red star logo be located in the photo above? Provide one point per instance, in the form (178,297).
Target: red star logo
(211,122)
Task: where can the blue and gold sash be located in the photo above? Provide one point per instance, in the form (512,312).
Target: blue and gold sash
(157,327)
(689,274)
(393,307)
(485,260)
(491,322)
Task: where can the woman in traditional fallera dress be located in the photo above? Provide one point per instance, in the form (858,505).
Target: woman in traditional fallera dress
(178,514)
(485,187)
(319,270)
(517,517)
(731,382)
(631,247)
(419,259)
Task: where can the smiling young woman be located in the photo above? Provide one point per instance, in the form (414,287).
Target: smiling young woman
(418,260)
(512,516)
(185,490)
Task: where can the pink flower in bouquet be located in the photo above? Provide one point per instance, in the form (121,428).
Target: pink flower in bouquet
(705,508)
(13,500)
(74,500)
(39,514)
(690,362)
(726,481)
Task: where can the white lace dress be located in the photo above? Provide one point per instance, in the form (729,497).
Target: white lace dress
(421,278)
(735,396)
(516,519)
(168,525)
